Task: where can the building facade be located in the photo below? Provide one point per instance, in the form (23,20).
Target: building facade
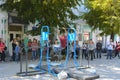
(85,33)
(10,26)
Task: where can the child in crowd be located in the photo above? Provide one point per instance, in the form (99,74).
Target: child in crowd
(56,48)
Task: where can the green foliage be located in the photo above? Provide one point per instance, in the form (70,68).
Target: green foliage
(103,14)
(49,12)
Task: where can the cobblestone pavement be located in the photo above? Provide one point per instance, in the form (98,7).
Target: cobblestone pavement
(107,69)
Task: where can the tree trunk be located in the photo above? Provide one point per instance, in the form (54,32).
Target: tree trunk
(112,36)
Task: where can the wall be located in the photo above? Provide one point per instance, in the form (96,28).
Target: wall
(4,26)
(86,32)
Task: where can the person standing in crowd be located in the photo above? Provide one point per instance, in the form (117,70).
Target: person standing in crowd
(50,46)
(2,46)
(72,49)
(63,42)
(17,52)
(34,46)
(10,50)
(29,45)
(22,46)
(56,49)
(13,49)
(99,49)
(117,50)
(77,49)
(91,48)
(84,51)
(18,39)
(110,50)
(38,49)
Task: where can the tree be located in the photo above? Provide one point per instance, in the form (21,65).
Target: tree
(103,14)
(48,12)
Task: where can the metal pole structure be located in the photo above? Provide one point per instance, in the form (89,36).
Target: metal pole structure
(45,36)
(26,53)
(88,58)
(20,63)
(81,58)
(75,55)
(71,38)
(26,62)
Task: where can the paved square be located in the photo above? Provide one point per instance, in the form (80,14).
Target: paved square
(107,69)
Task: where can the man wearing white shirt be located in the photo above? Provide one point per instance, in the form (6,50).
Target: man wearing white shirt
(109,50)
(91,48)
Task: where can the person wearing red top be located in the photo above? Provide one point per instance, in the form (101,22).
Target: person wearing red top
(34,46)
(2,46)
(63,41)
(29,45)
(117,50)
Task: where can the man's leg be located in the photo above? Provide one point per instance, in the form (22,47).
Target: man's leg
(3,56)
(110,54)
(107,54)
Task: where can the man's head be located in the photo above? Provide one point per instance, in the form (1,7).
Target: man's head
(111,40)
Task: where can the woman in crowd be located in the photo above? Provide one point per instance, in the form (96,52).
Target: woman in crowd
(2,46)
(34,46)
(117,50)
(13,48)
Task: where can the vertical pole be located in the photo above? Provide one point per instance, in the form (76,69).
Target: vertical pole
(20,63)
(26,52)
(81,58)
(67,56)
(88,58)
(26,62)
(75,55)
